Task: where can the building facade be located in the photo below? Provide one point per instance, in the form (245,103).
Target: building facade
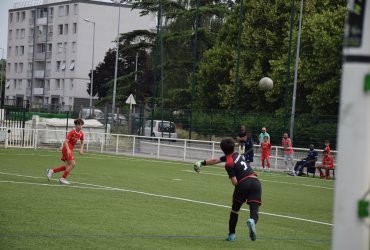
(50,49)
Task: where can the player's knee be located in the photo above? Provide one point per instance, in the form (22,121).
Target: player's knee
(235,207)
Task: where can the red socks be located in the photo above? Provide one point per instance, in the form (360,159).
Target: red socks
(65,175)
(59,169)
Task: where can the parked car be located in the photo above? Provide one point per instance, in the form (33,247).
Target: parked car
(120,121)
(88,114)
(168,128)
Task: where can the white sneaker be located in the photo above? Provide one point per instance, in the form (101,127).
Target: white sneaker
(49,173)
(64,181)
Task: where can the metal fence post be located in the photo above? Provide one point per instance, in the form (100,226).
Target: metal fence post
(276,157)
(213,150)
(117,140)
(159,146)
(184,150)
(133,146)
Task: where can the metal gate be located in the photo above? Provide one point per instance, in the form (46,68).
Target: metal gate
(12,124)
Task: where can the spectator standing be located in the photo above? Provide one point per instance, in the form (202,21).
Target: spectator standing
(286,143)
(262,135)
(265,155)
(248,154)
(241,138)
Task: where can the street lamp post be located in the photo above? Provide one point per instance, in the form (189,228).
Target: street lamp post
(92,65)
(116,64)
(1,75)
(65,69)
(296,74)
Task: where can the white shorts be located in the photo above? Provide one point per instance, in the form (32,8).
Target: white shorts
(288,157)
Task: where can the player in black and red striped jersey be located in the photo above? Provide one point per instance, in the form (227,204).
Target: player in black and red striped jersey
(247,186)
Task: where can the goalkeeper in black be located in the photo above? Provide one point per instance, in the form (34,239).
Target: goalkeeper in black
(247,186)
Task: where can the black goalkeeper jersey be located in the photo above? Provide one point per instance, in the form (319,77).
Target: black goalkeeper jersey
(236,166)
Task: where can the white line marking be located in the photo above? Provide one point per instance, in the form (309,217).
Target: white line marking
(107,188)
(280,182)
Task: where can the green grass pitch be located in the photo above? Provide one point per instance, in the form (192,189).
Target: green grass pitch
(118,202)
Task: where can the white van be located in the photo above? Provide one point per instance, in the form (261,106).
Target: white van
(98,114)
(168,128)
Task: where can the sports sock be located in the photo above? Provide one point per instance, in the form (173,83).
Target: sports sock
(253,211)
(232,222)
(263,164)
(59,169)
(65,175)
(268,164)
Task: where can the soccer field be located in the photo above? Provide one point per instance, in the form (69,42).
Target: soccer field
(118,202)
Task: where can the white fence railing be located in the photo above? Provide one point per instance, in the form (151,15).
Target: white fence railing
(142,146)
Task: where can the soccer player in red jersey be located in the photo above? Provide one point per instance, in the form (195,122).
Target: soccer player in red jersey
(265,156)
(247,186)
(327,146)
(67,152)
(327,164)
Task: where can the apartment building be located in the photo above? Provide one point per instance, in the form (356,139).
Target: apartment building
(50,48)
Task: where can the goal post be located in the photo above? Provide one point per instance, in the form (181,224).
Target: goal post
(351,223)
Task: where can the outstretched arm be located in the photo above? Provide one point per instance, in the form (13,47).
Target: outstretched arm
(199,164)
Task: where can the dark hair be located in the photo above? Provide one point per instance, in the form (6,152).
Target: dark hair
(265,137)
(227,145)
(327,141)
(79,121)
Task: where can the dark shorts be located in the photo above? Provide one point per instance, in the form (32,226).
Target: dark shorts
(249,157)
(249,191)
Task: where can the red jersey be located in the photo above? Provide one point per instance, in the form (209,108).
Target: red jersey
(73,137)
(287,144)
(328,161)
(327,148)
(265,147)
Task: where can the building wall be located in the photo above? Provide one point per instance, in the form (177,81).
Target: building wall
(62,82)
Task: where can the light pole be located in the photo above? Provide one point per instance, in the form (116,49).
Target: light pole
(1,75)
(65,69)
(296,74)
(118,2)
(92,65)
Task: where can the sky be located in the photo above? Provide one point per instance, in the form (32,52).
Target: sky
(5,5)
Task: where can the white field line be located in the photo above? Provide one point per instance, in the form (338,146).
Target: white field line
(280,182)
(107,188)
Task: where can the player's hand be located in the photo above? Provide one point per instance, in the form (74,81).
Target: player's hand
(68,153)
(198,165)
(81,152)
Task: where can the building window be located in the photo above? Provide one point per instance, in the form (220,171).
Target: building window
(16,51)
(10,17)
(61,11)
(23,16)
(21,50)
(20,68)
(17,17)
(60,48)
(75,9)
(15,67)
(66,29)
(29,83)
(29,67)
(60,29)
(30,49)
(73,47)
(67,10)
(71,84)
(74,28)
(8,83)
(9,51)
(72,65)
(58,65)
(57,84)
(8,69)
(16,33)
(51,12)
(23,33)
(63,65)
(10,35)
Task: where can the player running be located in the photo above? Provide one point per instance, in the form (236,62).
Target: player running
(247,186)
(67,152)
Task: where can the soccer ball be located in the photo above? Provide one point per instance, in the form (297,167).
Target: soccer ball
(266,83)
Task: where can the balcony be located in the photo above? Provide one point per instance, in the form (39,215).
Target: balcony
(42,38)
(40,56)
(41,21)
(38,91)
(39,73)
